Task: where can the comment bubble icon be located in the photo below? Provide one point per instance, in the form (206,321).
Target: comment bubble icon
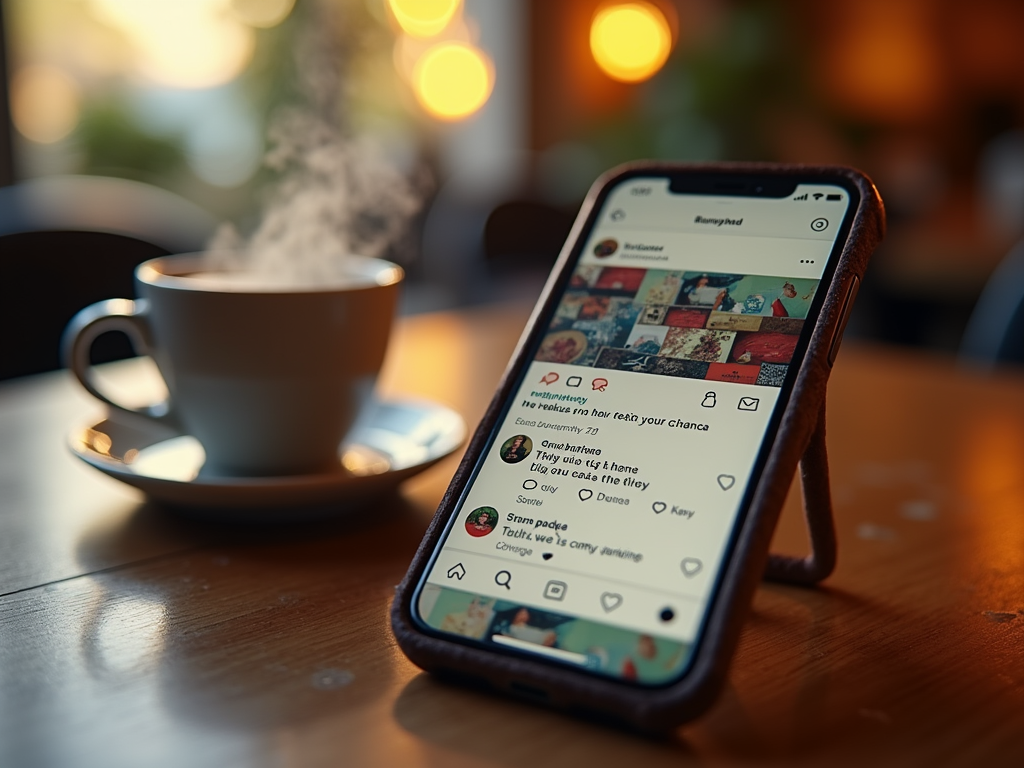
(549,378)
(529,484)
(599,384)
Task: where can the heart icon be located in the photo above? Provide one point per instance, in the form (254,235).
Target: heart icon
(585,493)
(691,566)
(547,555)
(726,481)
(659,507)
(610,601)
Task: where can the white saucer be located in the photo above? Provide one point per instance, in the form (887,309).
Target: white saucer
(393,441)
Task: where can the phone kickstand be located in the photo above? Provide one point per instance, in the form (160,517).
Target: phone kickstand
(821,529)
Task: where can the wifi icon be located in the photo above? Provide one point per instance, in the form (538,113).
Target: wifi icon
(818,195)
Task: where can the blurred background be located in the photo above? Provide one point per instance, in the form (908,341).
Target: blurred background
(496,115)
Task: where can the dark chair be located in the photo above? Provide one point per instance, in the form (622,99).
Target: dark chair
(66,242)
(486,241)
(995,332)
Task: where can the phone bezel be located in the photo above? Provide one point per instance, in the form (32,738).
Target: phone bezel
(705,666)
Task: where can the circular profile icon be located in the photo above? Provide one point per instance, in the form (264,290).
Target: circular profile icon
(515,449)
(481,521)
(606,248)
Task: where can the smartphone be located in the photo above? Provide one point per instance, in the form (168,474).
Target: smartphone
(599,546)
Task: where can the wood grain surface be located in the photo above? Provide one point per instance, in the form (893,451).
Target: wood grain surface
(132,636)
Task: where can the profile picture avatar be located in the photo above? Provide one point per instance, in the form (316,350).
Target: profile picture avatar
(515,449)
(481,521)
(606,248)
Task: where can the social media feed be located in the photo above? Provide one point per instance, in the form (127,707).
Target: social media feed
(598,520)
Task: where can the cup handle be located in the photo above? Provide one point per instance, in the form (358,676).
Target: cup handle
(129,317)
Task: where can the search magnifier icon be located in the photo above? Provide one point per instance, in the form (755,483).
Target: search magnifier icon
(503,579)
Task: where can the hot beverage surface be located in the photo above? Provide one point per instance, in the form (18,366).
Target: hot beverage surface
(225,280)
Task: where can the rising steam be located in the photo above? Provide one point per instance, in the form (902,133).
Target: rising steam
(337,195)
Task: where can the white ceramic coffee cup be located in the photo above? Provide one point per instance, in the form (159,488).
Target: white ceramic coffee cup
(269,377)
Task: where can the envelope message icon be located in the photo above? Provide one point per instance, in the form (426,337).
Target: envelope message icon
(749,403)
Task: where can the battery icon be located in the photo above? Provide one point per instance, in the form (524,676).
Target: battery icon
(834,197)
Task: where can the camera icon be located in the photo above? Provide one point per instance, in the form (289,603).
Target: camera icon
(555,590)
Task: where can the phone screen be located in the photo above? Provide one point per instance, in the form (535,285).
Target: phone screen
(595,525)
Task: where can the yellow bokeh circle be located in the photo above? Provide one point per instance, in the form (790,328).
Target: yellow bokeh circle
(630,41)
(423,18)
(453,80)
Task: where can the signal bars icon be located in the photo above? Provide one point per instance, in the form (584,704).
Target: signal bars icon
(817,196)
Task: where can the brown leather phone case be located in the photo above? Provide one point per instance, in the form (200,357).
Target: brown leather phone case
(654,709)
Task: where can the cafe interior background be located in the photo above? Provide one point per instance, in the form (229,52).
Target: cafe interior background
(462,135)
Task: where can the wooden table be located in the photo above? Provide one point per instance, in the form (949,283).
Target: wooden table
(130,636)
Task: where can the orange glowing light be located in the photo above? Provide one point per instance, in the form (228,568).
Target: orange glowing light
(630,41)
(423,18)
(44,103)
(453,80)
(883,64)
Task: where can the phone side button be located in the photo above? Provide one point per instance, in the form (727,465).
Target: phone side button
(844,318)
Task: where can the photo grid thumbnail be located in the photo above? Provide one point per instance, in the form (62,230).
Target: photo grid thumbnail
(695,325)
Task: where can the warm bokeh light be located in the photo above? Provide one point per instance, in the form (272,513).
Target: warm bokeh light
(883,63)
(409,50)
(44,103)
(453,80)
(183,44)
(262,13)
(630,41)
(100,442)
(423,18)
